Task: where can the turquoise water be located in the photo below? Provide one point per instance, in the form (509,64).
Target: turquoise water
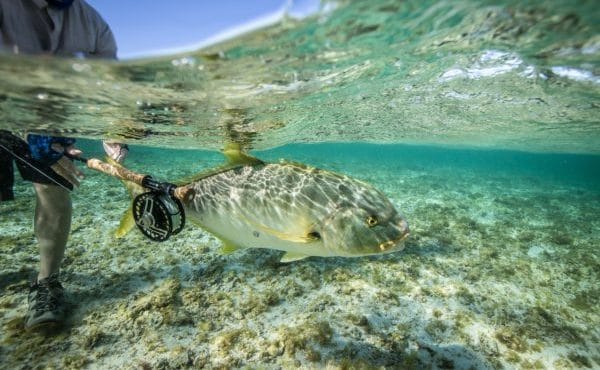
(479,121)
(500,271)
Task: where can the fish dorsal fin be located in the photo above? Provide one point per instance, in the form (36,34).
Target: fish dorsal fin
(235,159)
(291,257)
(235,156)
(204,174)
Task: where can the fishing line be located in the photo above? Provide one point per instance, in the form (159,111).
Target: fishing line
(34,167)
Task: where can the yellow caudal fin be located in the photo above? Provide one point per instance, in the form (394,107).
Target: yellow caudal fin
(127,222)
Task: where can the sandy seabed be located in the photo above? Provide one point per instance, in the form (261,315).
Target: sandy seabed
(500,271)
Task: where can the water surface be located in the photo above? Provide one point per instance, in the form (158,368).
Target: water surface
(478,73)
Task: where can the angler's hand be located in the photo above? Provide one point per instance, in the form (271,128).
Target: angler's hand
(116,151)
(49,151)
(65,167)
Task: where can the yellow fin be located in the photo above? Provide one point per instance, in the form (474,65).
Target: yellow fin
(235,159)
(291,257)
(282,235)
(126,224)
(290,237)
(228,247)
(235,155)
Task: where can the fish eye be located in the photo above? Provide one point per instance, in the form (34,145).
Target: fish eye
(372,221)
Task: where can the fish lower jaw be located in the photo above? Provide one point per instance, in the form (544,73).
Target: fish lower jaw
(391,243)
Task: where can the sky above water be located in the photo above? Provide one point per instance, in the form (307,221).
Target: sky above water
(145,28)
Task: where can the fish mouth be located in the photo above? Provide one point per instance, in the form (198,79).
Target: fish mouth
(391,243)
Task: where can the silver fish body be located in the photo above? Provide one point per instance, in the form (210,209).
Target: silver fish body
(295,208)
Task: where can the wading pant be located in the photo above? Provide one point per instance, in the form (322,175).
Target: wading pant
(7,176)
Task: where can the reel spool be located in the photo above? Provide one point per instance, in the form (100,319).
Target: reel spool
(158,215)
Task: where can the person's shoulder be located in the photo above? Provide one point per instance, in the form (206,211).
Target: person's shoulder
(89,11)
(105,44)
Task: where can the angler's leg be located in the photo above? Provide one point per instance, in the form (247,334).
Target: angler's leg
(52,224)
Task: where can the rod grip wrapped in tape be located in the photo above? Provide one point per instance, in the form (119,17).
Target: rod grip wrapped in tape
(115,171)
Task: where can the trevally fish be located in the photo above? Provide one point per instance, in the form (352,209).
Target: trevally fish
(292,207)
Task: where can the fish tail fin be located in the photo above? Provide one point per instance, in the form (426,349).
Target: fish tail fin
(127,221)
(126,224)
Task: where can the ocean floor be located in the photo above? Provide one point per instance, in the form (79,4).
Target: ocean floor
(501,271)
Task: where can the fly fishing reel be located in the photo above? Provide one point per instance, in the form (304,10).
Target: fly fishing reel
(157,213)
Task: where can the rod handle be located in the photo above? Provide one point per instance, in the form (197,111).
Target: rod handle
(118,172)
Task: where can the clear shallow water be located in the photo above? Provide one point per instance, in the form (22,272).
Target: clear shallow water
(473,73)
(500,271)
(431,99)
(578,170)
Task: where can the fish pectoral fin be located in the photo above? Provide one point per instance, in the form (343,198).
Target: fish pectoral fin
(228,247)
(294,238)
(291,257)
(298,234)
(303,239)
(235,155)
(126,224)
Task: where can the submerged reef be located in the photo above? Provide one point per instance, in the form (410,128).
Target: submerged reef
(500,271)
